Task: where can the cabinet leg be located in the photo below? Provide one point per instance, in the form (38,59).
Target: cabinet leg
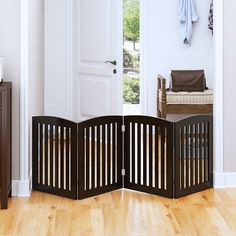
(4,202)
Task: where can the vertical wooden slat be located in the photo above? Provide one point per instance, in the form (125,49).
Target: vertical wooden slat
(133,152)
(36,153)
(127,154)
(98,156)
(203,152)
(210,151)
(68,167)
(144,154)
(51,155)
(82,139)
(182,158)
(119,153)
(87,159)
(59,157)
(178,158)
(109,154)
(103,155)
(139,153)
(83,151)
(156,157)
(46,153)
(187,155)
(56,157)
(93,157)
(162,157)
(134,173)
(74,134)
(41,153)
(191,155)
(150,155)
(196,154)
(169,160)
(62,157)
(206,142)
(200,153)
(113,152)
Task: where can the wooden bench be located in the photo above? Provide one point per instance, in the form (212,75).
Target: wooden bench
(163,108)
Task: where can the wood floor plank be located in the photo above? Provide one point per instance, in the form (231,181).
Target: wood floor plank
(121,213)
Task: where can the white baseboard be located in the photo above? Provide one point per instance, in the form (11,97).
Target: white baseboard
(21,188)
(230,179)
(15,187)
(221,180)
(225,180)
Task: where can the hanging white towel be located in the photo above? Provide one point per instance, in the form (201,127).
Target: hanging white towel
(210,17)
(187,13)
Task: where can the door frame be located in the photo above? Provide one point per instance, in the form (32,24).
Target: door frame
(23,186)
(219,94)
(143,55)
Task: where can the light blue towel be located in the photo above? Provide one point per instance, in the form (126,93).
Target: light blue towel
(187,13)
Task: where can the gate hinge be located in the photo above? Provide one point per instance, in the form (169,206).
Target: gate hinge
(123,172)
(123,128)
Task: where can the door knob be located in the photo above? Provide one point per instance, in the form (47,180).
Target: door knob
(112,62)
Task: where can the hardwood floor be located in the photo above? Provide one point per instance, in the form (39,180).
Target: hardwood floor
(123,212)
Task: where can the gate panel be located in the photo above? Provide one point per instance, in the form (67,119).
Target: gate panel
(149,155)
(99,155)
(193,155)
(54,156)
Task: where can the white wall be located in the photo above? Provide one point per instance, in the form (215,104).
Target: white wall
(229,86)
(36,64)
(165,50)
(10,50)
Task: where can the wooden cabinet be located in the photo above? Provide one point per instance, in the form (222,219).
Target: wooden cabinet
(5,144)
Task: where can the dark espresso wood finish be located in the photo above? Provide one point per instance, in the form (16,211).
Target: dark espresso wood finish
(102,155)
(5,144)
(55,156)
(142,153)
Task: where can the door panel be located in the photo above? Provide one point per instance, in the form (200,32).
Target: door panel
(100,40)
(95,30)
(101,88)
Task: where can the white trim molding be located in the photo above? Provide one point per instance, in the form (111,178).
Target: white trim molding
(225,180)
(69,58)
(218,89)
(144,55)
(21,188)
(23,184)
(230,179)
(219,180)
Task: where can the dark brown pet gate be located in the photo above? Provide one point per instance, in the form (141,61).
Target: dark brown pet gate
(152,155)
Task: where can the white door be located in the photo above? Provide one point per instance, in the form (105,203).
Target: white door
(99,77)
